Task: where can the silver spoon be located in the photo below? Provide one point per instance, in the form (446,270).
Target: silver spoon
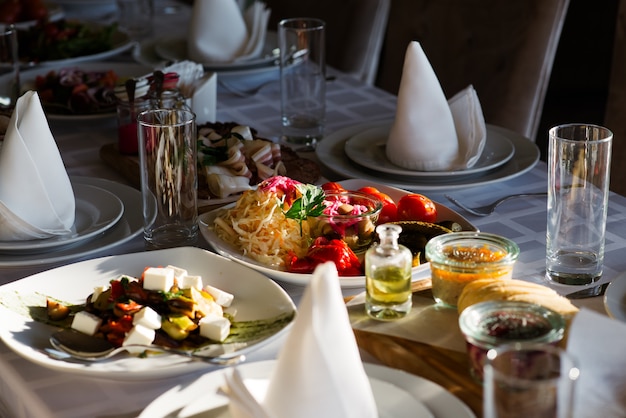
(85,347)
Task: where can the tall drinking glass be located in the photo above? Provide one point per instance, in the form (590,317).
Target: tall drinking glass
(9,63)
(579,163)
(302,80)
(167,154)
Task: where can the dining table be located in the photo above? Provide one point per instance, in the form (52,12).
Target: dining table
(30,390)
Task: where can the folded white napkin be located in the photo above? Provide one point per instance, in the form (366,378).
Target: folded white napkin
(319,372)
(598,344)
(36,196)
(430,133)
(221,32)
(199,88)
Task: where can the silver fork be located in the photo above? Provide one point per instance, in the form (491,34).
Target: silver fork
(491,207)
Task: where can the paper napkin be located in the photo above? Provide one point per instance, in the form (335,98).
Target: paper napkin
(430,133)
(198,87)
(319,372)
(221,32)
(36,197)
(598,344)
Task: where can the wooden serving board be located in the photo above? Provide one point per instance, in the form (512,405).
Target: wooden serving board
(446,367)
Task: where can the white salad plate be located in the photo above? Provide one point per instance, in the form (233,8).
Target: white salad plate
(615,298)
(206,222)
(126,228)
(367,148)
(331,153)
(398,394)
(255,298)
(175,49)
(28,77)
(96,211)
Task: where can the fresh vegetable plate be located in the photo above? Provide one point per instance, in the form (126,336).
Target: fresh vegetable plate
(255,298)
(206,222)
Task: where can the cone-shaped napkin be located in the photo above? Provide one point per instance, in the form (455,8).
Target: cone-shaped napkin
(319,372)
(220,32)
(429,133)
(36,196)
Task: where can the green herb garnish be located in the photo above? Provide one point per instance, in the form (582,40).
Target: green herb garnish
(310,204)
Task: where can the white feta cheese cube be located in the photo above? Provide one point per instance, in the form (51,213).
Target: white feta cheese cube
(86,322)
(179,273)
(139,335)
(190,281)
(221,297)
(158,278)
(214,328)
(148,318)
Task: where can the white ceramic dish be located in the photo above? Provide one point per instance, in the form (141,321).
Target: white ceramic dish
(28,82)
(96,211)
(331,153)
(227,250)
(175,49)
(615,298)
(367,148)
(203,398)
(256,297)
(129,226)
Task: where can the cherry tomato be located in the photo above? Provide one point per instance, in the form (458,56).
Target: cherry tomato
(415,207)
(333,187)
(389,211)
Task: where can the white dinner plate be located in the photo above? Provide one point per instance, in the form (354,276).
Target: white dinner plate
(331,152)
(129,226)
(29,76)
(175,49)
(367,148)
(96,211)
(256,297)
(206,221)
(120,42)
(615,298)
(203,397)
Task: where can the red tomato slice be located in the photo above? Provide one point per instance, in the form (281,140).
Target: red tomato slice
(333,187)
(416,207)
(389,211)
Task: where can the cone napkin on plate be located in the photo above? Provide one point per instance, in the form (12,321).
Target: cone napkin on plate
(221,32)
(319,372)
(430,133)
(36,196)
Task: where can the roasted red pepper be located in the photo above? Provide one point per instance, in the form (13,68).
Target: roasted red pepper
(323,250)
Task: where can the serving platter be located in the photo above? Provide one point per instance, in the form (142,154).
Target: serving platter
(206,222)
(331,152)
(126,228)
(29,76)
(256,297)
(96,211)
(398,394)
(367,148)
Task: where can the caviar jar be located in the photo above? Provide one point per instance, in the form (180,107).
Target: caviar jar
(491,324)
(460,257)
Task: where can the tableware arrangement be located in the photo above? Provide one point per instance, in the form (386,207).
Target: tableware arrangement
(9,62)
(206,222)
(168,156)
(579,166)
(255,298)
(529,380)
(331,152)
(302,80)
(134,17)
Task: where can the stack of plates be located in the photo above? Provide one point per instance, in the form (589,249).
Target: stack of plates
(104,218)
(359,152)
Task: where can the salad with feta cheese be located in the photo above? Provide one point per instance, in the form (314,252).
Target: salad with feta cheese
(165,306)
